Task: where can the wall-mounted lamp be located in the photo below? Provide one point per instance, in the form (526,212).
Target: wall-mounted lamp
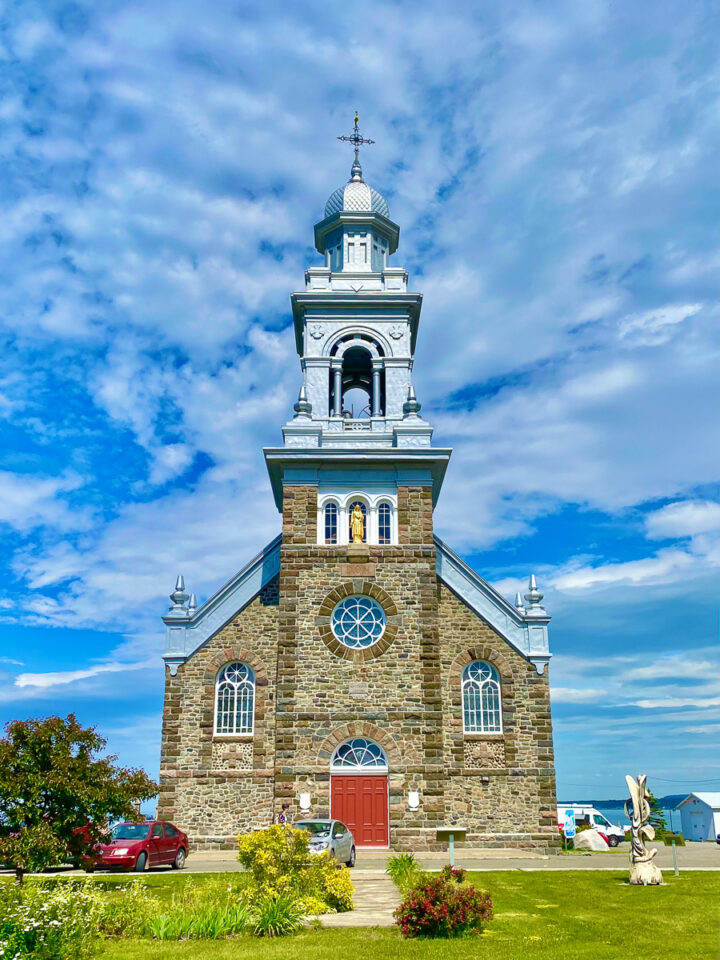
(304,803)
(484,778)
(413,800)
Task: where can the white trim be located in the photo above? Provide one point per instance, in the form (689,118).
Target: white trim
(343,498)
(234,733)
(495,681)
(381,769)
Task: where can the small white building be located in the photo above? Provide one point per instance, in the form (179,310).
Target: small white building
(700,816)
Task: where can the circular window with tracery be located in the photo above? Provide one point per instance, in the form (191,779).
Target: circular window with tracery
(358,622)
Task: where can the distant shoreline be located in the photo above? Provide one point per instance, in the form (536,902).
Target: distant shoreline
(668,802)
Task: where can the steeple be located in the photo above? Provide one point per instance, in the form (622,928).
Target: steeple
(356,326)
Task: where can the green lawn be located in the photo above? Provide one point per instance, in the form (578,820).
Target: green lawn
(568,915)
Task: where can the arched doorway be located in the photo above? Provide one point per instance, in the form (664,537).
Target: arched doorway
(359,791)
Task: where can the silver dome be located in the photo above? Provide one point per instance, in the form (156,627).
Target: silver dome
(356,195)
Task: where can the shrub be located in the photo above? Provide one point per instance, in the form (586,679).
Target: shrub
(277,858)
(404,870)
(456,874)
(276,916)
(443,907)
(338,889)
(46,921)
(281,864)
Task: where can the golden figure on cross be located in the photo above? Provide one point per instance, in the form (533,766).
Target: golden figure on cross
(357,524)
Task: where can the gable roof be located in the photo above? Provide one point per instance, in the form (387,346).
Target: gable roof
(187,632)
(528,635)
(711,799)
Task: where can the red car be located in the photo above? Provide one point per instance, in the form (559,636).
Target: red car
(136,846)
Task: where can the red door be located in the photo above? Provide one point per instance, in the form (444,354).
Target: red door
(362,803)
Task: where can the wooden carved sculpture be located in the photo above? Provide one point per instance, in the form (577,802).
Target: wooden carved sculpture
(642,868)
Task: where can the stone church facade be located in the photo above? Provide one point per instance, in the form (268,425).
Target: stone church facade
(357,667)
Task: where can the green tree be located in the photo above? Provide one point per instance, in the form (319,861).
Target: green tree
(657,818)
(57,793)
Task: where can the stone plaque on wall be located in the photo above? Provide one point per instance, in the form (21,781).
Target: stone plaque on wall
(358,689)
(484,754)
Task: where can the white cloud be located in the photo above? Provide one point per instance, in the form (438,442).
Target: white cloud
(666,566)
(577,695)
(58,678)
(149,248)
(683,519)
(652,327)
(28,501)
(654,704)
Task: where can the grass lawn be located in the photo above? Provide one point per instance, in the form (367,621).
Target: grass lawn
(568,915)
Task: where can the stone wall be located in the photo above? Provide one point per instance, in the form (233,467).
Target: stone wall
(327,691)
(215,787)
(501,786)
(312,693)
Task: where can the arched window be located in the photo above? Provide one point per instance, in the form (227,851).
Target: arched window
(384,523)
(481,698)
(359,754)
(363,510)
(331,522)
(235,699)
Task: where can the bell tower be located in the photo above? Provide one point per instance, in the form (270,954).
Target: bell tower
(356,327)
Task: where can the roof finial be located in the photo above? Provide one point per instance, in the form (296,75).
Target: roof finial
(519,606)
(411,407)
(533,597)
(192,604)
(356,140)
(303,407)
(179,597)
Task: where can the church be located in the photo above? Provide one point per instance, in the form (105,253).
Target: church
(357,667)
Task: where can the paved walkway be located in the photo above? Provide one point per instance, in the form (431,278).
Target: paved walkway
(376,897)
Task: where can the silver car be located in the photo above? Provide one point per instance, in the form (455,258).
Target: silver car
(330,835)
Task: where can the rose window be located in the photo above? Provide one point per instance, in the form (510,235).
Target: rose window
(358,622)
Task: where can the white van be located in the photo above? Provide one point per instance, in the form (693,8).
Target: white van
(585,813)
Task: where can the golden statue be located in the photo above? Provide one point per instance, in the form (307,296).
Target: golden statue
(357,524)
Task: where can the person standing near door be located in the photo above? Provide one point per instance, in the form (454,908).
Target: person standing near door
(283,817)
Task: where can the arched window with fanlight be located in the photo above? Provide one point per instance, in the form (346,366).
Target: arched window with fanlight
(331,522)
(351,513)
(481,699)
(235,699)
(384,521)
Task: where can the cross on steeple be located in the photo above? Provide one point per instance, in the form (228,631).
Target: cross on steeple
(356,140)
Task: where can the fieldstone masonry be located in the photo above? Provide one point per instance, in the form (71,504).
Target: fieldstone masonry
(313,693)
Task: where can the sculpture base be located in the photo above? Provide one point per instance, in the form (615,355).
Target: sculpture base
(645,873)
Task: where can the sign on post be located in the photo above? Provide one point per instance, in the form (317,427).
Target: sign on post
(569,824)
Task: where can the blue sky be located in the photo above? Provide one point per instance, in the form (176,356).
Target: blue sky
(552,168)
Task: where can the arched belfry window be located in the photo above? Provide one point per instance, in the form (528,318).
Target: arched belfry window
(331,522)
(235,699)
(481,698)
(360,755)
(350,513)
